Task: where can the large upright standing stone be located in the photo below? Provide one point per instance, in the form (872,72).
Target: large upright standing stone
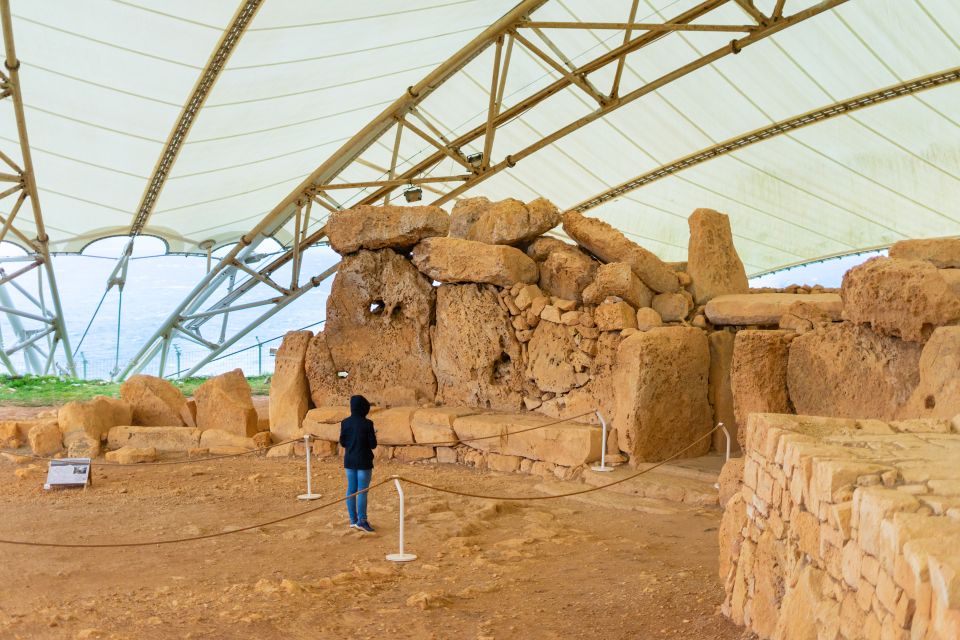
(903,298)
(512,222)
(370,227)
(758,374)
(289,388)
(454,260)
(712,260)
(477,359)
(377,333)
(225,402)
(610,245)
(844,370)
(155,402)
(661,385)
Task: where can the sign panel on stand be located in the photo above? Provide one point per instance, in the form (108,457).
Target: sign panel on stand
(68,472)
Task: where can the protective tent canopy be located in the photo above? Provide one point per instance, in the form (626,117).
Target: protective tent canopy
(104,82)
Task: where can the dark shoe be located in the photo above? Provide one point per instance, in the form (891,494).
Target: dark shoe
(363,525)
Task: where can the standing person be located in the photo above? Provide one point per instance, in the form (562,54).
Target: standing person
(358,440)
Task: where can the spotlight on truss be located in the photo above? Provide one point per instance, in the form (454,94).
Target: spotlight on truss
(475,158)
(413,194)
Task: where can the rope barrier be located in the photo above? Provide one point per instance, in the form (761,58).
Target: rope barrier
(339,500)
(498,435)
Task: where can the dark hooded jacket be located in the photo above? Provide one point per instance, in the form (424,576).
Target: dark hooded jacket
(357,436)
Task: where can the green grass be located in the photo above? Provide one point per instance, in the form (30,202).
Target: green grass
(39,391)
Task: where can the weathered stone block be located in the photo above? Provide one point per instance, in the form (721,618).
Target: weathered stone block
(941,252)
(465,213)
(566,274)
(380,227)
(617,279)
(435,425)
(289,387)
(154,402)
(615,316)
(937,395)
(712,261)
(672,307)
(661,383)
(512,222)
(132,455)
(531,436)
(767,308)
(393,425)
(94,417)
(902,298)
(45,439)
(225,402)
(454,260)
(758,374)
(160,438)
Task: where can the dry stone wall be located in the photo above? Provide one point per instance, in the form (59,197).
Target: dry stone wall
(844,529)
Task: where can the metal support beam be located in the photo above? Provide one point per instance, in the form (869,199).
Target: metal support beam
(191,108)
(54,325)
(639,26)
(841,108)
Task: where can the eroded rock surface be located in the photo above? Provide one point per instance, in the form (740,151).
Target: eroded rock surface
(849,371)
(943,253)
(551,355)
(617,279)
(380,227)
(476,356)
(610,245)
(903,298)
(94,417)
(513,222)
(454,260)
(465,213)
(758,374)
(767,308)
(565,274)
(377,332)
(721,390)
(713,264)
(938,393)
(225,402)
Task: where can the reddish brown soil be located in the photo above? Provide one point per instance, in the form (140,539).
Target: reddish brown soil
(603,566)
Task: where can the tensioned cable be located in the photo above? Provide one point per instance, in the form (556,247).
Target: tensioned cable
(371,487)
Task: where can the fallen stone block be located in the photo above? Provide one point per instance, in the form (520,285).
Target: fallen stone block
(530,436)
(154,402)
(160,438)
(94,417)
(903,298)
(454,260)
(610,245)
(766,309)
(225,402)
(617,279)
(381,227)
(45,439)
(132,455)
(435,425)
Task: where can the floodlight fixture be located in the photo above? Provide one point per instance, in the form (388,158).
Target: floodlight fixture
(413,194)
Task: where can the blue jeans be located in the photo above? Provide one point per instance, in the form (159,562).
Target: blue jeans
(357,480)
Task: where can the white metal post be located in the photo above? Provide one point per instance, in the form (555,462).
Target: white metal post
(400,557)
(727,434)
(309,495)
(603,447)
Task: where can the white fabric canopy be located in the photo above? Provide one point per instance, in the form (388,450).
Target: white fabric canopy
(104,82)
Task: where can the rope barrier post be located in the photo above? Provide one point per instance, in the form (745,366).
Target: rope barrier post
(400,557)
(603,447)
(727,435)
(309,495)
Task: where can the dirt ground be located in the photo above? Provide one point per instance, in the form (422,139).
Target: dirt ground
(599,566)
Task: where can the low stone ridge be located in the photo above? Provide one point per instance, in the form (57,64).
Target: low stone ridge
(434,425)
(903,298)
(381,227)
(610,245)
(181,439)
(512,222)
(132,455)
(155,402)
(712,261)
(477,358)
(661,384)
(617,279)
(289,387)
(225,402)
(937,395)
(223,442)
(565,274)
(845,529)
(94,417)
(454,260)
(758,374)
(377,332)
(849,371)
(567,443)
(766,309)
(943,253)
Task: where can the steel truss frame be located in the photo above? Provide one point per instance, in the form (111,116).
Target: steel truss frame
(39,346)
(407,115)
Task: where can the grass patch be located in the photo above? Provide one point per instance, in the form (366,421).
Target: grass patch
(41,391)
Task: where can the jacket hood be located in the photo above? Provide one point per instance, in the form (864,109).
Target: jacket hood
(359,406)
